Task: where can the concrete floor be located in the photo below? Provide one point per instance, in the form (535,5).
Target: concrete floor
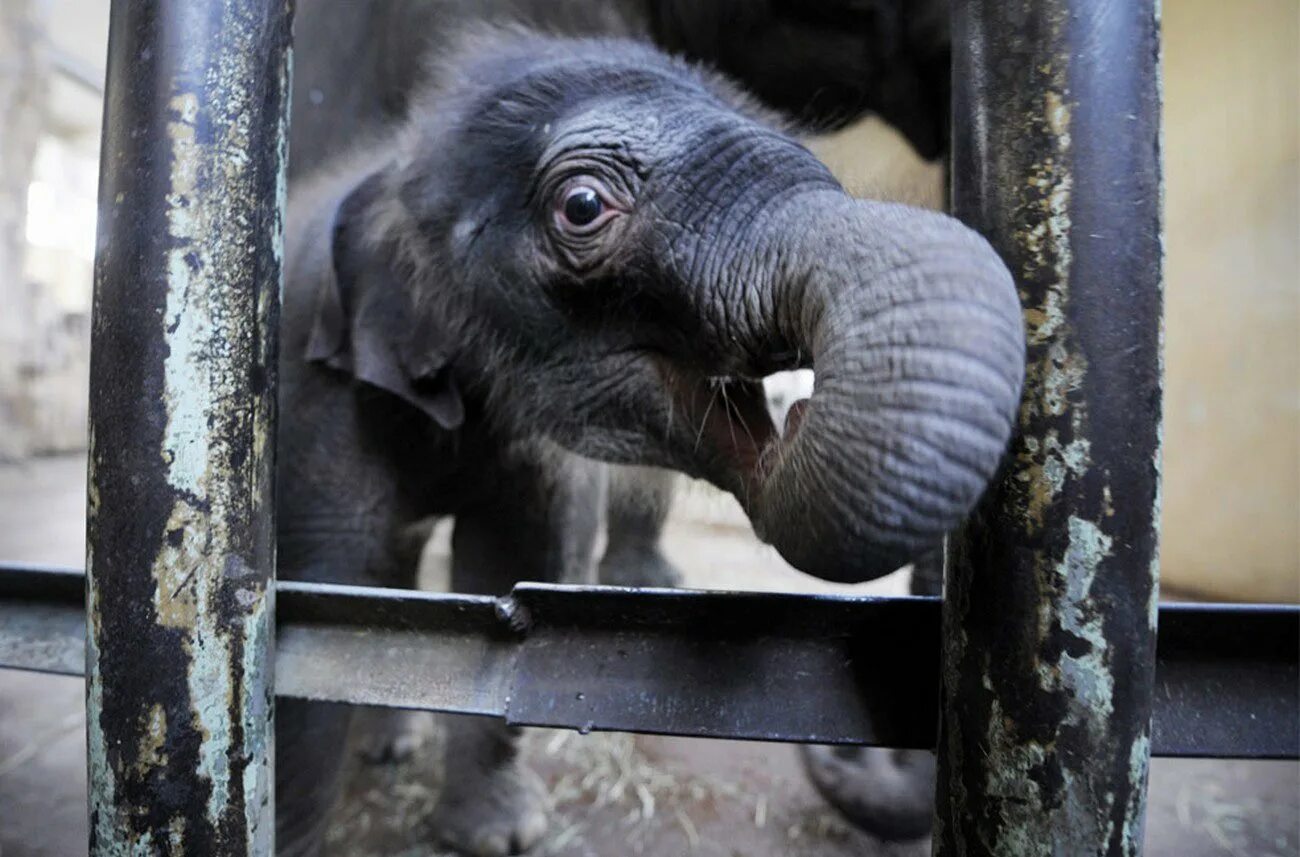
(611,794)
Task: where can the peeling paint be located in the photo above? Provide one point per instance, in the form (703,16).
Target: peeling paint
(193,387)
(1085,676)
(154,735)
(1009,778)
(179,694)
(1050,599)
(1044,468)
(1157,466)
(102,798)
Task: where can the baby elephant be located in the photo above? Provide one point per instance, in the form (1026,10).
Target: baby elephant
(583,249)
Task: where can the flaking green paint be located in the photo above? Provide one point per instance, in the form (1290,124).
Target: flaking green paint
(212,336)
(1086,677)
(1012,778)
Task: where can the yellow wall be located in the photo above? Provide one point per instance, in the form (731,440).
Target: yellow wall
(1231,525)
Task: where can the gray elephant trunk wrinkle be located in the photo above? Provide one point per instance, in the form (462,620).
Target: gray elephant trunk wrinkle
(916,337)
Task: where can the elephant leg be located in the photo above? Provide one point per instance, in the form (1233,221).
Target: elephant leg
(639,500)
(391,736)
(394,736)
(888,793)
(311,738)
(491,805)
(537,528)
(309,765)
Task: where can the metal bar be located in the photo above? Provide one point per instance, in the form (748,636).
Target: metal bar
(1228,676)
(1050,610)
(180,519)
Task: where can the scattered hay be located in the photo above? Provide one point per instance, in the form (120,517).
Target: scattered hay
(603,788)
(609,770)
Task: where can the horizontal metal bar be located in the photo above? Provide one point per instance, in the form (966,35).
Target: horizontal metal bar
(826,669)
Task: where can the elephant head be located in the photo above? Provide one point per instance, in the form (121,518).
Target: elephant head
(611,248)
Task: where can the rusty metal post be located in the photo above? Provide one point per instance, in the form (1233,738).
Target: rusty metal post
(180,601)
(1049,619)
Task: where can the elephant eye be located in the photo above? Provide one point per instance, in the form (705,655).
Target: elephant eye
(582,206)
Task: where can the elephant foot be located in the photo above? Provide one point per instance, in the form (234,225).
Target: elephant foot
(639,565)
(389,736)
(494,816)
(887,793)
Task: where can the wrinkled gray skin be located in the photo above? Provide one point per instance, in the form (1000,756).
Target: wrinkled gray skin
(451,340)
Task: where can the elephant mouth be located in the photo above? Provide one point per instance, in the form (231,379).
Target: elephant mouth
(733,421)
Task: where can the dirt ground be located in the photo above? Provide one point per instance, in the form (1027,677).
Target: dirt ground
(613,794)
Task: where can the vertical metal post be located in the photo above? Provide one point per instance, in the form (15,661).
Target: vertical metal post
(1049,619)
(180,602)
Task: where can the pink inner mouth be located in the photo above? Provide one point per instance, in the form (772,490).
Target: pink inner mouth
(733,422)
(736,420)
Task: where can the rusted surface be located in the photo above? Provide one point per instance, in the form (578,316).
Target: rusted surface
(181,541)
(1049,622)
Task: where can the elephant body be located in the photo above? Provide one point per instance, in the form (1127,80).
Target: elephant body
(575,250)
(357,466)
(820,65)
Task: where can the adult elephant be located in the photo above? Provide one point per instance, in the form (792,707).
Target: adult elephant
(821,65)
(583,246)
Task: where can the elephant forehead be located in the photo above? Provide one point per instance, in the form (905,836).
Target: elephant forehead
(643,128)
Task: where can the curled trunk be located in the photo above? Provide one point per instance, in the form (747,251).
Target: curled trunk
(914,330)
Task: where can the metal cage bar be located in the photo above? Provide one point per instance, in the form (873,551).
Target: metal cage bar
(849,669)
(181,538)
(1050,609)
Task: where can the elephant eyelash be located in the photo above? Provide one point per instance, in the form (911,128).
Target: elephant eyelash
(618,174)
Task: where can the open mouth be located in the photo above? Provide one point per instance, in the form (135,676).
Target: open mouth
(737,417)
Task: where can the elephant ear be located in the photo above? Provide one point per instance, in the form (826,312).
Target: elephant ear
(365,323)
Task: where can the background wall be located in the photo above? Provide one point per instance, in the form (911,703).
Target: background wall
(51,75)
(1232,207)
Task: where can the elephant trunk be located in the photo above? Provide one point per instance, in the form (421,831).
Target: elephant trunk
(914,331)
